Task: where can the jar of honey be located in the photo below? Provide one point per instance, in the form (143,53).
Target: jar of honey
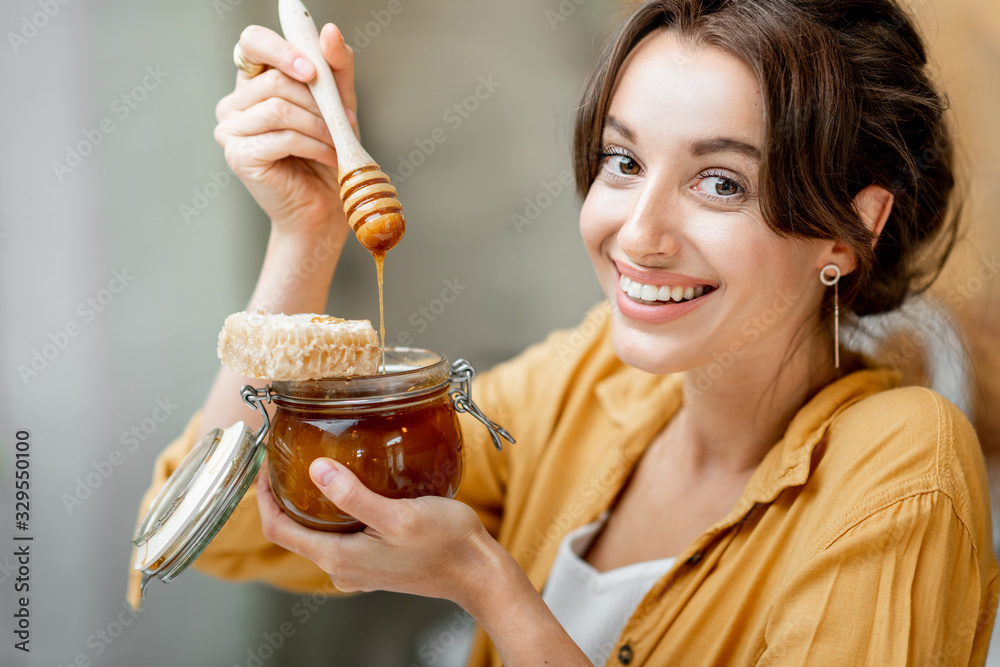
(398,431)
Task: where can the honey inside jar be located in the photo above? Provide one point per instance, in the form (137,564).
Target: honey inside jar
(400,444)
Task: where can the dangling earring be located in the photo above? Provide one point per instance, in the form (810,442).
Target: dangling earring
(826,280)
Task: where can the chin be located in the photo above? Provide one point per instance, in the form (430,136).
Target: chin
(646,351)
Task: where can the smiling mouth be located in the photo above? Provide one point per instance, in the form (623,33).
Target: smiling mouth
(661,294)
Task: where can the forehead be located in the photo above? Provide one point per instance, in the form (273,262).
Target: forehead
(671,87)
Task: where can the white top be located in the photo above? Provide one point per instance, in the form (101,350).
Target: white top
(594,606)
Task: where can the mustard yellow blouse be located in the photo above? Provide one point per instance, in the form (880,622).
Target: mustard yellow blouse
(863,537)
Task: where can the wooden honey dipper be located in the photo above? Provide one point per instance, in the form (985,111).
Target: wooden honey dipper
(370,201)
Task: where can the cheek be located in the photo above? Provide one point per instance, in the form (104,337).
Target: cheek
(598,222)
(746,253)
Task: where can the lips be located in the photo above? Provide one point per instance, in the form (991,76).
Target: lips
(656,298)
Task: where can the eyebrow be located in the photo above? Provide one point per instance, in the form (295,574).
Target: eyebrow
(698,148)
(724,145)
(619,127)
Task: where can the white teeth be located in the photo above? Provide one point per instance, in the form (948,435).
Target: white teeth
(665,293)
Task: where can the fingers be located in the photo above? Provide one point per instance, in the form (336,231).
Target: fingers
(263,45)
(282,529)
(282,87)
(262,150)
(277,114)
(347,492)
(272,83)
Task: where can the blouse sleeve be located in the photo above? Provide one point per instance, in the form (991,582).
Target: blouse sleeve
(876,594)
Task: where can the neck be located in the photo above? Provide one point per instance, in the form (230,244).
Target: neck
(727,426)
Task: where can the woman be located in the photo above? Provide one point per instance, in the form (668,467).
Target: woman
(757,494)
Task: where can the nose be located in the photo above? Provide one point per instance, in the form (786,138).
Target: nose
(652,231)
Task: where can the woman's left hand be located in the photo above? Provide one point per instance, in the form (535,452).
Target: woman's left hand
(429,546)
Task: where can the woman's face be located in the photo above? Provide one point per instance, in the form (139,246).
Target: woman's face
(674,214)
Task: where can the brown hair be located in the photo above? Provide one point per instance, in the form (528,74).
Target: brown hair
(847,102)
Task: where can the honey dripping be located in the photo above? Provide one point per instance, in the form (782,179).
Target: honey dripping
(379,261)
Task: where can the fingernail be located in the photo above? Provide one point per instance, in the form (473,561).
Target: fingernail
(323,472)
(302,67)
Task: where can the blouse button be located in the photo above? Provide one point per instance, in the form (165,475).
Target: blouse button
(625,654)
(693,560)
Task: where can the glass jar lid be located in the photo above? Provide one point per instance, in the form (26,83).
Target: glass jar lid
(196,501)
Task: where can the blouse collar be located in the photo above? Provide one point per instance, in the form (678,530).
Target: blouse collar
(640,402)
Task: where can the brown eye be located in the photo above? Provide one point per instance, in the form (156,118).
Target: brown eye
(726,187)
(617,163)
(623,164)
(629,166)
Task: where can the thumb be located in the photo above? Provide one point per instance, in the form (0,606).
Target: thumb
(347,492)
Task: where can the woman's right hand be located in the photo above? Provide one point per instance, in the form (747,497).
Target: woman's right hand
(275,138)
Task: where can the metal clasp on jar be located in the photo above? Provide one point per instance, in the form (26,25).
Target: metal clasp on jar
(255,398)
(462,373)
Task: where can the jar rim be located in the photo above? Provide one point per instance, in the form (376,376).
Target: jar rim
(410,372)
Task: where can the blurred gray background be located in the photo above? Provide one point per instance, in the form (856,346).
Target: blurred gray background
(125,241)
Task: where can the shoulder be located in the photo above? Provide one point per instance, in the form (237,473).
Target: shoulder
(923,432)
(901,443)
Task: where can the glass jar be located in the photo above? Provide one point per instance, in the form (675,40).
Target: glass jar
(397,431)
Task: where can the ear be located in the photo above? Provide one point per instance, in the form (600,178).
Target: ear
(873,204)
